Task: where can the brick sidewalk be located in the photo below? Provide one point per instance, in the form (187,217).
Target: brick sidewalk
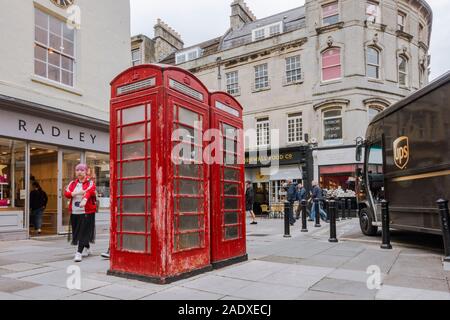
(305,266)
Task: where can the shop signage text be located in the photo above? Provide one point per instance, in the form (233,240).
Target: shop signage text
(284,156)
(57,132)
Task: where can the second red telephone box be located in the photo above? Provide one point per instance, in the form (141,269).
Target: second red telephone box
(160,185)
(228,238)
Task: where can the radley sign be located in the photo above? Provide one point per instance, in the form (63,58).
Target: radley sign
(42,130)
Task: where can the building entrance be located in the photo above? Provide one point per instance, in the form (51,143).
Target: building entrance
(44,171)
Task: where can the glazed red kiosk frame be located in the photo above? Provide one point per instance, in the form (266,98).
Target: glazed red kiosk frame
(228,238)
(160,228)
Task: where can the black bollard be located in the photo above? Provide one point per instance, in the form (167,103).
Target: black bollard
(445,220)
(304,205)
(385,219)
(349,208)
(343,202)
(332,212)
(317,209)
(287,225)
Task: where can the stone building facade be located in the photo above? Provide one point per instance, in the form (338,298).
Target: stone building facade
(317,73)
(55,68)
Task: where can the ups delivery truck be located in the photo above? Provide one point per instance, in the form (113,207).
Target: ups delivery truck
(407,161)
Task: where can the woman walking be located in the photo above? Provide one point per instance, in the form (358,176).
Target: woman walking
(82,208)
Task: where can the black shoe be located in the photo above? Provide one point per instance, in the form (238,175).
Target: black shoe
(254,222)
(310,220)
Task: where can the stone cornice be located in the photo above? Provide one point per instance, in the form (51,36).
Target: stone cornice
(329,28)
(404,35)
(232,61)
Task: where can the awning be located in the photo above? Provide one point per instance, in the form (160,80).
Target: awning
(287,173)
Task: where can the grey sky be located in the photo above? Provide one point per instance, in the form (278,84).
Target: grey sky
(201,20)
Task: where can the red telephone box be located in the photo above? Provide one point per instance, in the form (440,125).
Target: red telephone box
(160,208)
(228,238)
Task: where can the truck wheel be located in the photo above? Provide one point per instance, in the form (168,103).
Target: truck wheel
(365,221)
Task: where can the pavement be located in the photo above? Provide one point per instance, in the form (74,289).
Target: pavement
(303,267)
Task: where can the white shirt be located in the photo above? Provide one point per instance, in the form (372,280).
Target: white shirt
(77,199)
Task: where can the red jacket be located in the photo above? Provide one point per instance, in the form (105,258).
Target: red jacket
(89,187)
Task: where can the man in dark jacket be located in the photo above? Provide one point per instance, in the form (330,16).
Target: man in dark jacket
(249,201)
(301,195)
(38,203)
(317,194)
(291,198)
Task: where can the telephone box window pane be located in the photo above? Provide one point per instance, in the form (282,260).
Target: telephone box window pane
(231,233)
(187,117)
(133,169)
(190,170)
(231,218)
(231,174)
(133,243)
(231,203)
(132,115)
(133,151)
(133,224)
(133,133)
(149,149)
(119,240)
(189,241)
(189,223)
(229,131)
(187,187)
(230,159)
(231,189)
(133,187)
(188,205)
(185,134)
(135,205)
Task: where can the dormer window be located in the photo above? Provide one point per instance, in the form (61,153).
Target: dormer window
(182,57)
(267,31)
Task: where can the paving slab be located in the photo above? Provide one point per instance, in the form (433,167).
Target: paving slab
(33,272)
(419,266)
(384,259)
(182,293)
(217,284)
(401,280)
(291,278)
(253,270)
(320,295)
(401,293)
(13,285)
(267,291)
(19,267)
(352,275)
(86,296)
(121,292)
(326,261)
(346,287)
(8,296)
(46,293)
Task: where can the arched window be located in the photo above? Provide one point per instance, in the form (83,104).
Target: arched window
(331,64)
(373,63)
(372,113)
(332,125)
(402,71)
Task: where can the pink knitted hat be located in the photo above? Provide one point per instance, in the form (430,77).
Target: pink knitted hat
(81,167)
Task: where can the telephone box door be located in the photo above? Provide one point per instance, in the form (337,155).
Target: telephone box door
(228,239)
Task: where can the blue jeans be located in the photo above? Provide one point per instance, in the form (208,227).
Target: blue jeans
(323,214)
(38,213)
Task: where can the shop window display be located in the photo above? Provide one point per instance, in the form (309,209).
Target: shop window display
(12,174)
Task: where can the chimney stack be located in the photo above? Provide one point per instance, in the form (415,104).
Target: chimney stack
(166,40)
(240,14)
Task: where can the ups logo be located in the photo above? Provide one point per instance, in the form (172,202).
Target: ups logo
(401,152)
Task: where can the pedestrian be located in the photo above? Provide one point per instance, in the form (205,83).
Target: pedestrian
(301,196)
(82,208)
(317,194)
(249,201)
(291,198)
(38,203)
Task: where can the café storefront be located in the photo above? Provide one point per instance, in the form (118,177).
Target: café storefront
(268,183)
(43,144)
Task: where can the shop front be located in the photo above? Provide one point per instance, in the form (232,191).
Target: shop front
(43,145)
(268,188)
